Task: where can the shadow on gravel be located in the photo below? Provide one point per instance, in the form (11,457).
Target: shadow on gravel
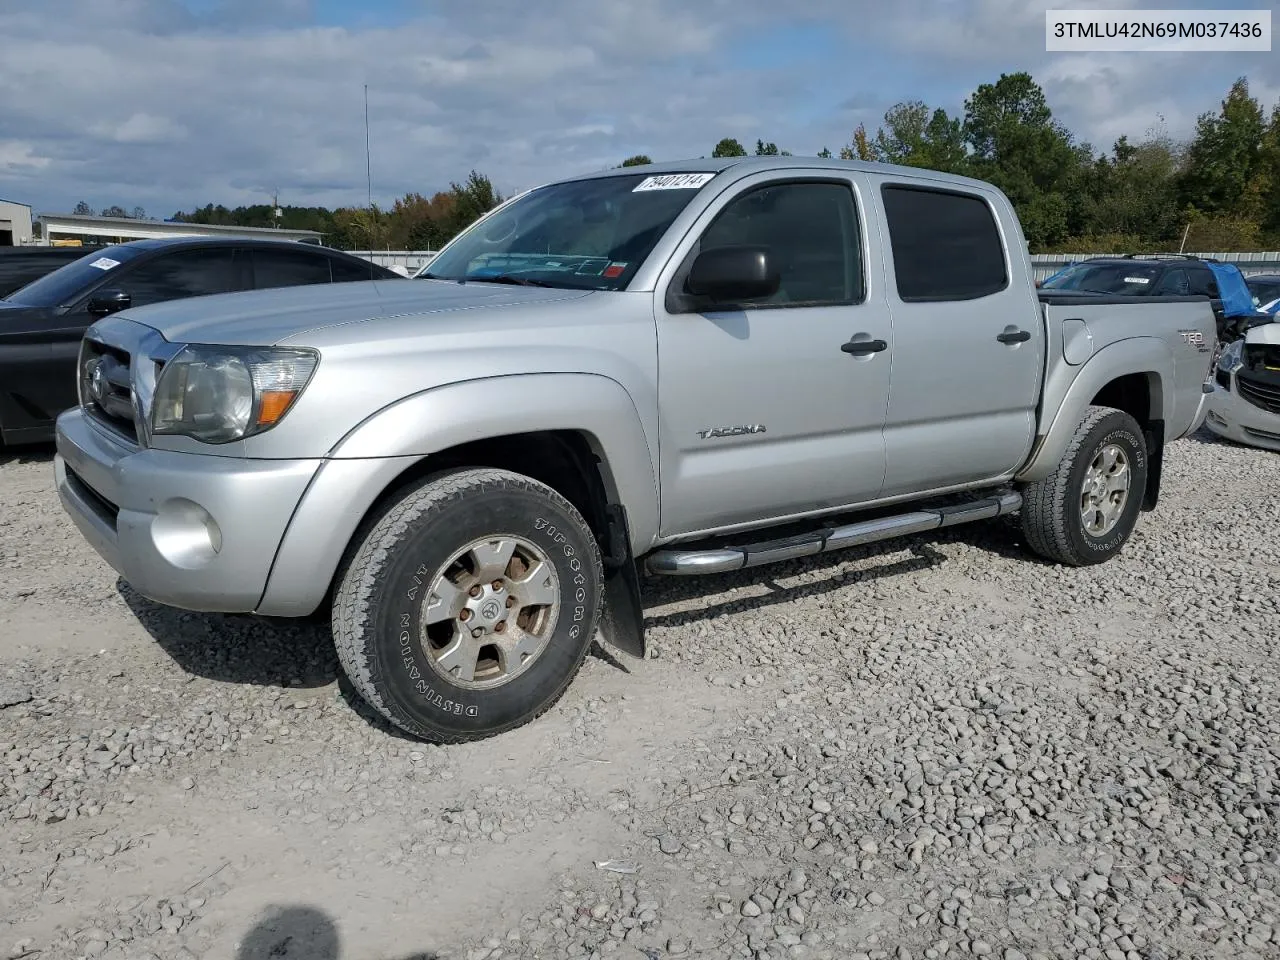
(239,649)
(32,453)
(298,933)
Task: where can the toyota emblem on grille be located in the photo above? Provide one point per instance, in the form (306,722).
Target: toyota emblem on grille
(98,387)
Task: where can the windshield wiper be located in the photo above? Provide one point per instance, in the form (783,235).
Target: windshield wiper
(511,278)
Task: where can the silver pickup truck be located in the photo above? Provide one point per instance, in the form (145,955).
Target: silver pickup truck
(694,367)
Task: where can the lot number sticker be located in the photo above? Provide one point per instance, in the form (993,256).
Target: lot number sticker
(1137,279)
(674,181)
(105,263)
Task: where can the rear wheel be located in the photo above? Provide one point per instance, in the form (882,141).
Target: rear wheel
(468,608)
(1085,511)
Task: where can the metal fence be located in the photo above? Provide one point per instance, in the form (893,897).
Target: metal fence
(410,260)
(1044,264)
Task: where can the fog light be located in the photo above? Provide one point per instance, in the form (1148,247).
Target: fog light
(185,533)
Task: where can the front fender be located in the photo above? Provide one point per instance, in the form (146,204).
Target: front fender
(374,453)
(1066,397)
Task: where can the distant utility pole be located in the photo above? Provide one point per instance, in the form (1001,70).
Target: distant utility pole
(275,208)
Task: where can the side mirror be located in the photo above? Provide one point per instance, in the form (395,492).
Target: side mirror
(731,274)
(106,302)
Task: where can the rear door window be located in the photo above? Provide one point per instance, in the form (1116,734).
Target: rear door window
(946,245)
(289,268)
(344,272)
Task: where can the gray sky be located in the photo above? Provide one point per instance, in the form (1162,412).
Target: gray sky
(171,104)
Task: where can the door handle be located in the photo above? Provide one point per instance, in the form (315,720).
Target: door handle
(857,347)
(1014,336)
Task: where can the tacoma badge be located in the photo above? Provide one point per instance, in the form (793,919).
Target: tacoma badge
(711,432)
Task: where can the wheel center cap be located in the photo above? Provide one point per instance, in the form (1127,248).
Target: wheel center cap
(490,609)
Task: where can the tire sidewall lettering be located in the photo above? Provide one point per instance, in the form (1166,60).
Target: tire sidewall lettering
(417,688)
(1125,438)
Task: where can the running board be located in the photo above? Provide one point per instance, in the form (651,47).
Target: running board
(725,559)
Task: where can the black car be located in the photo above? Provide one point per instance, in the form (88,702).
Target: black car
(42,323)
(1140,275)
(22,265)
(1264,286)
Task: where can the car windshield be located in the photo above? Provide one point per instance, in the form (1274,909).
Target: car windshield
(584,234)
(1264,290)
(66,283)
(1114,278)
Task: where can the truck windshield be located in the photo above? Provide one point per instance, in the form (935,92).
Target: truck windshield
(68,281)
(583,234)
(1115,278)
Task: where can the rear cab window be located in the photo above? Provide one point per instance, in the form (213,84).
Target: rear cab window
(945,244)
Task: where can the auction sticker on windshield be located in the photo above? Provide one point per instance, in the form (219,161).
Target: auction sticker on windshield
(1137,279)
(105,263)
(673,181)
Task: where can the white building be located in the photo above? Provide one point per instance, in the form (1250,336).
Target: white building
(15,224)
(90,229)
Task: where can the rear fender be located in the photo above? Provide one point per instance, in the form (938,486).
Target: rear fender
(1144,355)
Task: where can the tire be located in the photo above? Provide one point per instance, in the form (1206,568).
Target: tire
(433,679)
(1053,509)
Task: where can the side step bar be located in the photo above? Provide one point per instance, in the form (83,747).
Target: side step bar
(675,562)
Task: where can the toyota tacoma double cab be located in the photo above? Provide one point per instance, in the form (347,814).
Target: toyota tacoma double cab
(689,368)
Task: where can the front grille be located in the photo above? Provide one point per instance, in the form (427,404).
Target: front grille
(1262,357)
(106,387)
(1261,393)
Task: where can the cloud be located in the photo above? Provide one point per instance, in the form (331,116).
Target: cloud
(172,104)
(17,156)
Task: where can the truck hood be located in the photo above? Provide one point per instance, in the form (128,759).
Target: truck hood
(265,317)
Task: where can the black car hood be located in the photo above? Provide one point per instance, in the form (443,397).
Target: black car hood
(17,318)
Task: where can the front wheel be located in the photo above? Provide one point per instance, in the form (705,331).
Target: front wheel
(1085,511)
(469,606)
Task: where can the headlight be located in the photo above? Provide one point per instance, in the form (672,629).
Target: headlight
(1232,358)
(219,394)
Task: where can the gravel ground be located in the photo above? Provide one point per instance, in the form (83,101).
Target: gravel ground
(935,747)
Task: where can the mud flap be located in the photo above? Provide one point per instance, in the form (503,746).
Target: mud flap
(622,619)
(1153,433)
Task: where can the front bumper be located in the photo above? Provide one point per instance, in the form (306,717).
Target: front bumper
(1230,415)
(191,531)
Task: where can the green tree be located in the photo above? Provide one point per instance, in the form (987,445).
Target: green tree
(1268,177)
(766,149)
(470,201)
(729,147)
(1132,193)
(860,148)
(914,136)
(114,211)
(639,160)
(1225,158)
(83,209)
(824,153)
(1017,145)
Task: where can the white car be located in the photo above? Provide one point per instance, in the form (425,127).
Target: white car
(1245,403)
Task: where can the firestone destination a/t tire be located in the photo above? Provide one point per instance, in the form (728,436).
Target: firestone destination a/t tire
(468,607)
(1086,510)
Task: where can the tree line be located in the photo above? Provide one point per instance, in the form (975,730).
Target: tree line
(1217,191)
